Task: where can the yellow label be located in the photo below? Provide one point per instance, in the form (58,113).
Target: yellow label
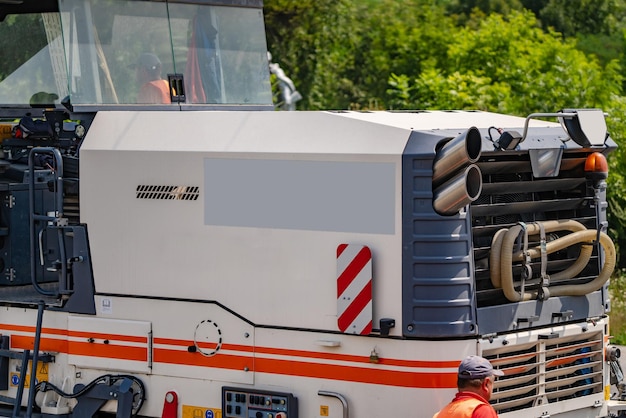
(323,410)
(5,131)
(42,374)
(200,412)
(607,393)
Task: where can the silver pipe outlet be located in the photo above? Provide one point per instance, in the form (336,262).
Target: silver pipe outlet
(455,154)
(459,191)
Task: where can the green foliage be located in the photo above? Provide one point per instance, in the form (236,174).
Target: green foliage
(618,307)
(26,31)
(606,48)
(341,54)
(509,64)
(348,54)
(572,17)
(312,41)
(397,38)
(568,17)
(465,8)
(616,190)
(434,90)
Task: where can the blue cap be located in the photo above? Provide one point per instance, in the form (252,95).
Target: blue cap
(148,61)
(477,367)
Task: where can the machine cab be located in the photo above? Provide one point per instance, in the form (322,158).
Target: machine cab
(97,54)
(62,63)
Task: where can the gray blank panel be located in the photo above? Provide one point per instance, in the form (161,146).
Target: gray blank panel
(307,195)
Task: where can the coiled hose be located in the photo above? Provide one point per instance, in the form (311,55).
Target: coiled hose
(502,257)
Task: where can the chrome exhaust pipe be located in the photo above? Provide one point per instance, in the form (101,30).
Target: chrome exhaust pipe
(455,154)
(461,190)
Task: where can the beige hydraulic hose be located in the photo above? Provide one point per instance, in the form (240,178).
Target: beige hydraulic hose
(502,257)
(549,226)
(494,257)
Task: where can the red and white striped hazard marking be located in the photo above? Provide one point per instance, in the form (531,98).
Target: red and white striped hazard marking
(354,289)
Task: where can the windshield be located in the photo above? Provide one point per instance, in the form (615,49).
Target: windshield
(114,52)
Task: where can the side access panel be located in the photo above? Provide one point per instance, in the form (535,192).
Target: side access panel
(437,265)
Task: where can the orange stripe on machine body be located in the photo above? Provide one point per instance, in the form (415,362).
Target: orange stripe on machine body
(74,334)
(116,337)
(355,358)
(171,341)
(121,352)
(114,351)
(45,344)
(187,343)
(220,361)
(303,363)
(310,369)
(23,328)
(356,374)
(318,355)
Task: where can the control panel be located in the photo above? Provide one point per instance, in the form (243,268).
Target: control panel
(252,403)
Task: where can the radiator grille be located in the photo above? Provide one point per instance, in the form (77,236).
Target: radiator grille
(510,195)
(546,371)
(167,192)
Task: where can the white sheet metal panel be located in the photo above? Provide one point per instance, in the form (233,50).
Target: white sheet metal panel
(269,275)
(446,119)
(190,339)
(110,344)
(243,132)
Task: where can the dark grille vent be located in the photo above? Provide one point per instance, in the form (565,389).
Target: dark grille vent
(168,192)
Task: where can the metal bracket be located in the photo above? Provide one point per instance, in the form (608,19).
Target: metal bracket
(91,402)
(528,319)
(565,315)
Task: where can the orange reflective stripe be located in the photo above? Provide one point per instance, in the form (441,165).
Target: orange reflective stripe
(413,379)
(356,359)
(260,359)
(45,344)
(99,335)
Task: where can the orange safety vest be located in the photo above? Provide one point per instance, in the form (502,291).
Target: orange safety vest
(463,408)
(156,91)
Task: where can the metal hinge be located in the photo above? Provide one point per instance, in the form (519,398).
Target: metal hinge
(9,201)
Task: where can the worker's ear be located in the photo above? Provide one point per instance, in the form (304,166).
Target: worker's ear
(486,383)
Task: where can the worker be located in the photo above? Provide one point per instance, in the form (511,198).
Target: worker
(153,88)
(475,383)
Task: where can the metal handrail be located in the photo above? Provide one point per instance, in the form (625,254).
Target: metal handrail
(342,399)
(58,212)
(543,115)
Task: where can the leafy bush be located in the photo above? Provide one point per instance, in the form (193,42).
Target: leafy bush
(618,307)
(510,65)
(616,190)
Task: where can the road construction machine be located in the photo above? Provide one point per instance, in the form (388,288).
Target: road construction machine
(171,246)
